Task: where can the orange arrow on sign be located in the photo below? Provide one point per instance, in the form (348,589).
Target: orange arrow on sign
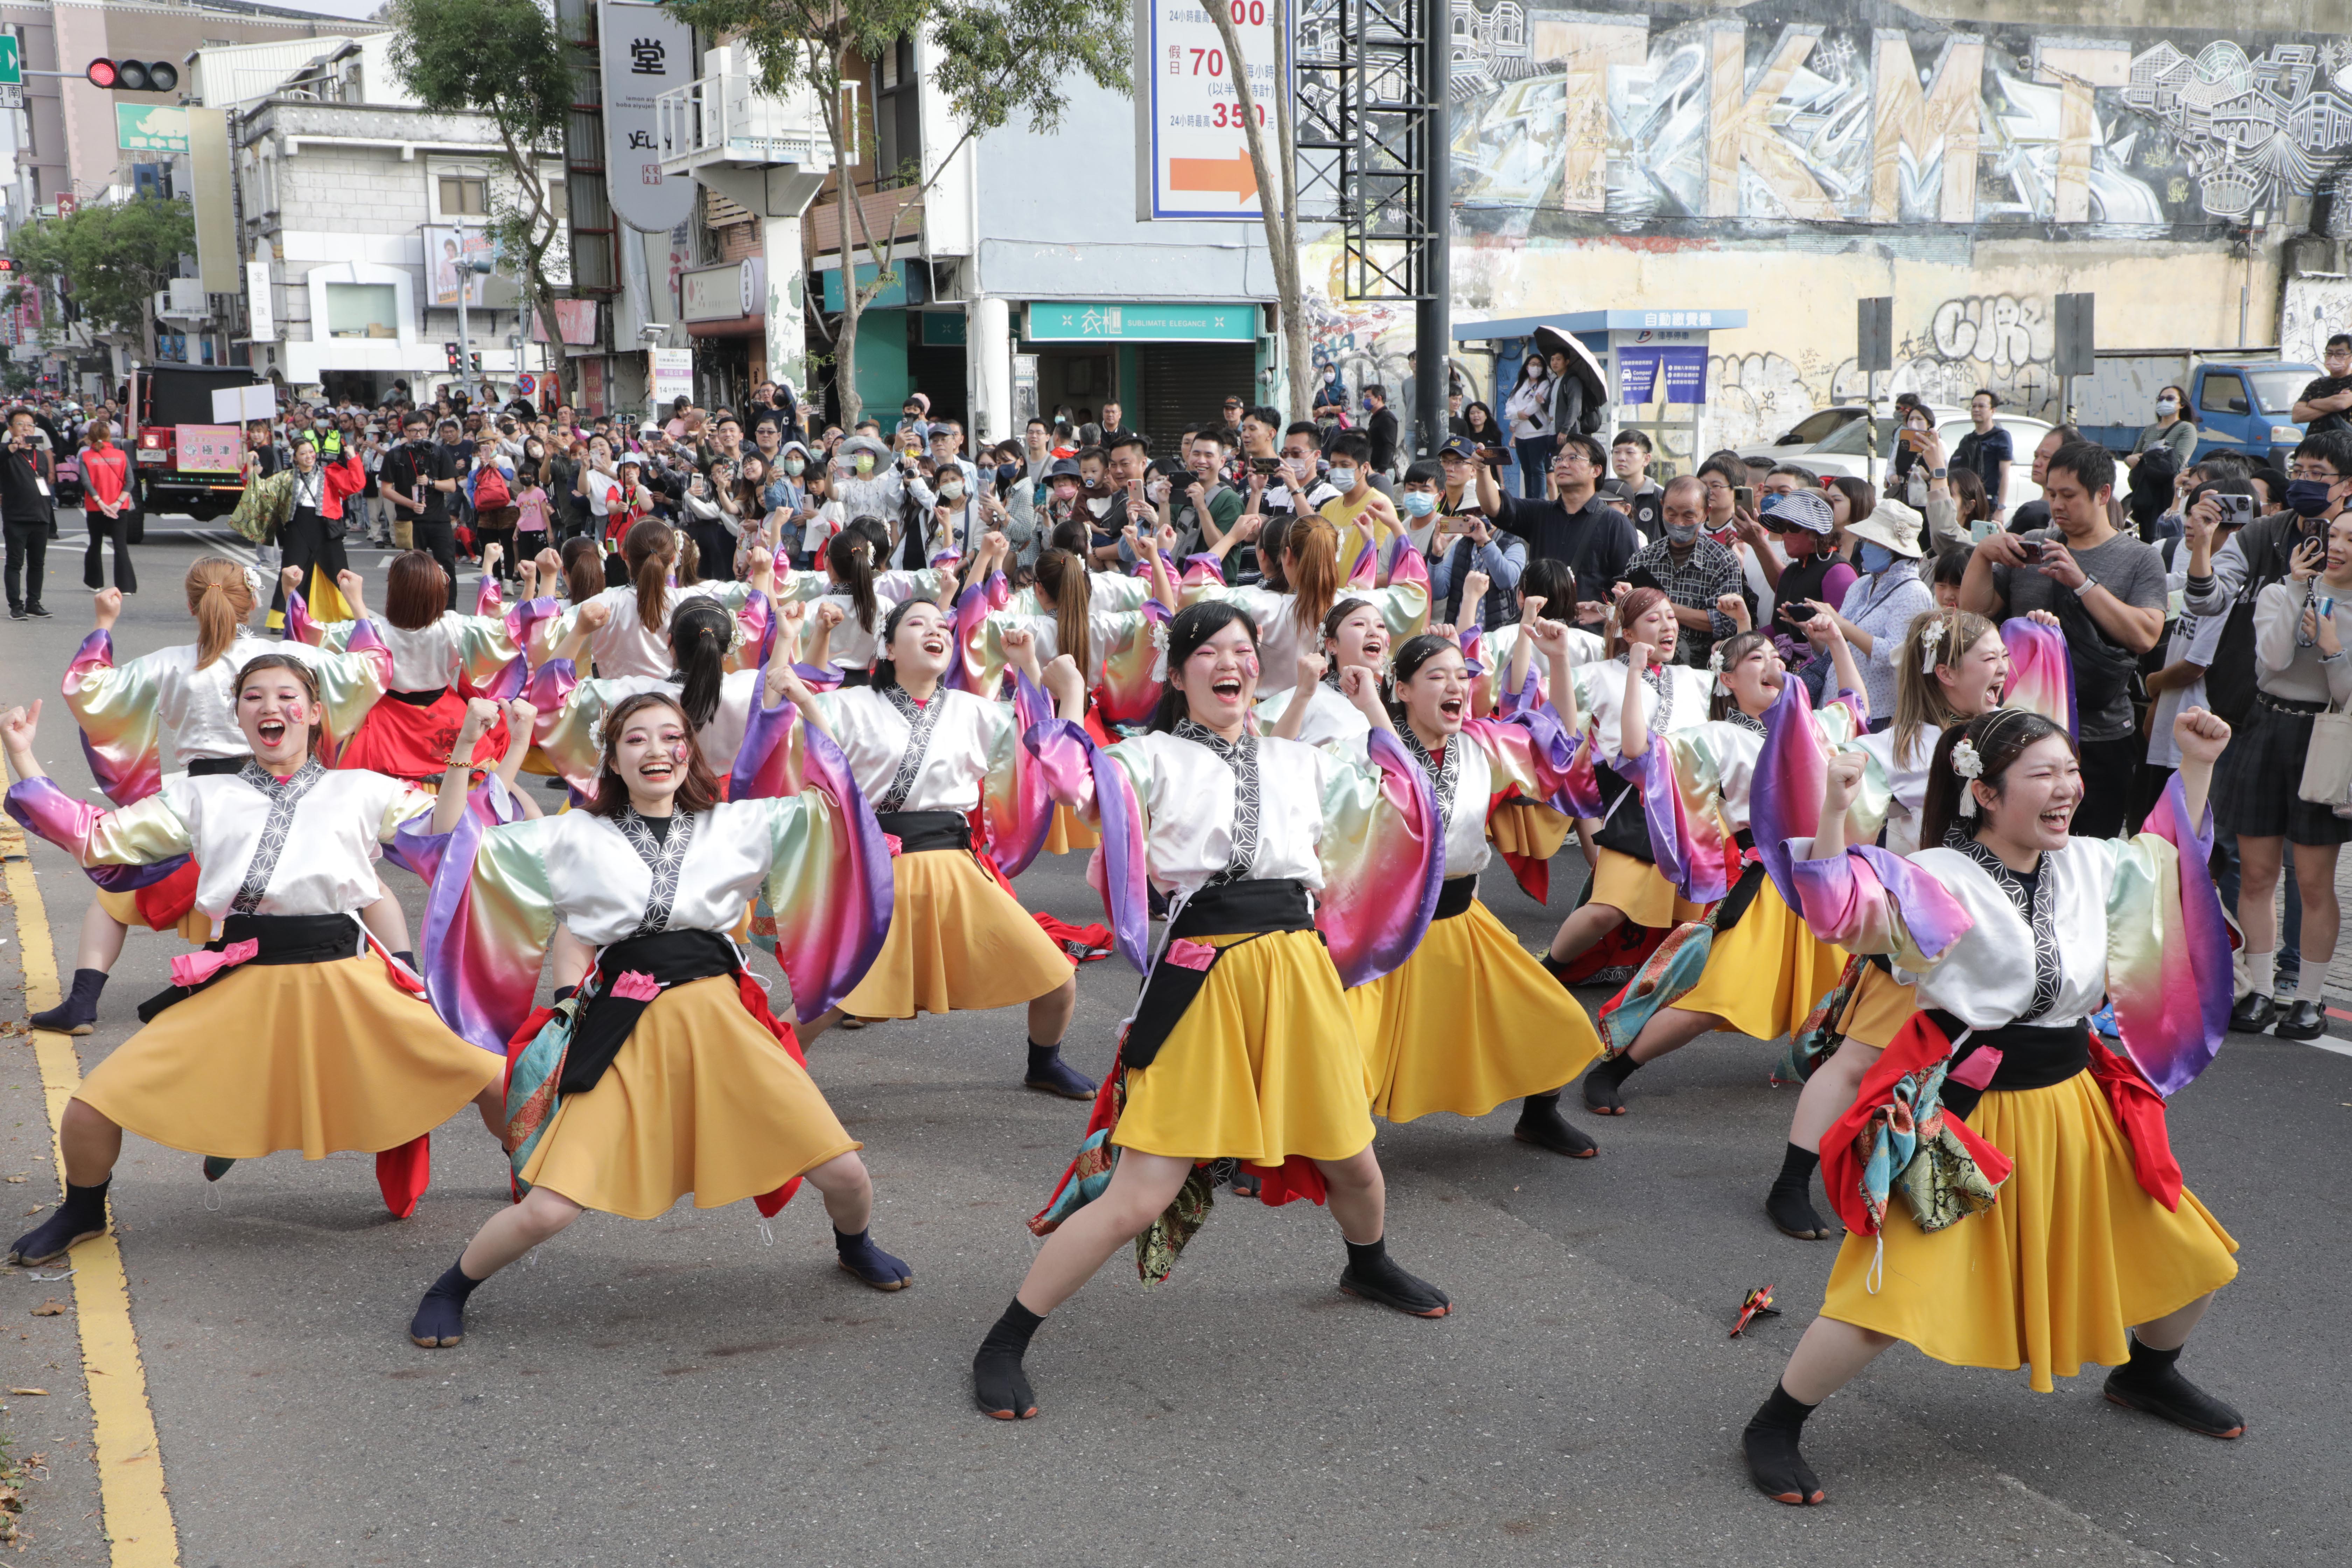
(1234,174)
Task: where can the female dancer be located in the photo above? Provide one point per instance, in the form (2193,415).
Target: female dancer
(1952,667)
(1760,969)
(2014,932)
(864,596)
(1289,611)
(1354,637)
(1638,692)
(633,638)
(124,710)
(926,756)
(1241,1047)
(1471,1020)
(1111,642)
(719,704)
(663,1073)
(311,538)
(434,649)
(293,1030)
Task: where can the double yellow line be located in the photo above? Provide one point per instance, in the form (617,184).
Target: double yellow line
(129,1462)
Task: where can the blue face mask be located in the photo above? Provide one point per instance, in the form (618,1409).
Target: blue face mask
(2308,498)
(1874,558)
(1417,503)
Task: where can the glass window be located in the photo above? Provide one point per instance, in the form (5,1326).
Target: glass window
(362,310)
(465,196)
(2224,393)
(2276,390)
(1817,427)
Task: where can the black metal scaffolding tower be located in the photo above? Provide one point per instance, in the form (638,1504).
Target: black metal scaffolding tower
(1372,145)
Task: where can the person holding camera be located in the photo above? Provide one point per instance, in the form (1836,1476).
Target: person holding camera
(2107,591)
(27,505)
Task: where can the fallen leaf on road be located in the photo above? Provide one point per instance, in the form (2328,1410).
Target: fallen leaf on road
(15,1181)
(49,1309)
(34,1393)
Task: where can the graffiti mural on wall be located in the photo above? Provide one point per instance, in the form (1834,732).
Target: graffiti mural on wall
(2314,309)
(1796,112)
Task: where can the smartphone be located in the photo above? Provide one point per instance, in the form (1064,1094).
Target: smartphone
(2236,510)
(1798,612)
(1916,440)
(1493,456)
(1266,464)
(2030,549)
(1743,498)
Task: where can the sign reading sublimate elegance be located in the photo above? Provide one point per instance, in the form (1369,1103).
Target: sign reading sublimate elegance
(1075,322)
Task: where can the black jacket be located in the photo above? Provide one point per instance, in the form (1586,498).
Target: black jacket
(22,476)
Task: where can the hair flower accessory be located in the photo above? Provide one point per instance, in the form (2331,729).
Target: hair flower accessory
(1715,660)
(1968,766)
(1931,638)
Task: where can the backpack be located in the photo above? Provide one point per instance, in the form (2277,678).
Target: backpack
(490,492)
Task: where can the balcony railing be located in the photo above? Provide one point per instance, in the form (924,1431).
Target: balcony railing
(727,119)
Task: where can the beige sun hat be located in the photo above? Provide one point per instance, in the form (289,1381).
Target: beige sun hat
(1892,524)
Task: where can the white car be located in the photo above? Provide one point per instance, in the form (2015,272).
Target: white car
(1834,441)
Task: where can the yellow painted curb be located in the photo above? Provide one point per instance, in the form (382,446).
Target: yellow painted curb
(129,1463)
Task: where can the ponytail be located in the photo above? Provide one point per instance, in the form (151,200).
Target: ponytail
(701,632)
(850,558)
(1311,563)
(1065,576)
(689,559)
(583,569)
(220,599)
(647,549)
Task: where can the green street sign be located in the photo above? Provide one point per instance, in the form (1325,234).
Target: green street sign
(12,67)
(1059,321)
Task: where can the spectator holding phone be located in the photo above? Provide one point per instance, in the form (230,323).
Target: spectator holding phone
(2107,591)
(2222,507)
(1597,543)
(1467,552)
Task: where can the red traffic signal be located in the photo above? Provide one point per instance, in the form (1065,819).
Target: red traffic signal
(132,76)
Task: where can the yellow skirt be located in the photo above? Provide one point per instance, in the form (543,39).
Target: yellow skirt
(1068,832)
(701,1099)
(195,927)
(1765,973)
(1264,1064)
(958,943)
(315,1057)
(1469,1021)
(2053,1274)
(1879,1007)
(1635,889)
(1522,827)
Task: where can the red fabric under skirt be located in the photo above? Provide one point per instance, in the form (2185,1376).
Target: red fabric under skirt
(410,741)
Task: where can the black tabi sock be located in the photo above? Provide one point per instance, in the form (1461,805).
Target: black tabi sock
(441,1316)
(1770,1443)
(1369,1257)
(2151,1382)
(1796,1168)
(999,1386)
(564,993)
(83,1212)
(455,1285)
(1617,1068)
(2148,1365)
(80,1005)
(1042,1057)
(87,984)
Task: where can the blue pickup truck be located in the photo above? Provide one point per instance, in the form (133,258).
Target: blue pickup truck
(2241,399)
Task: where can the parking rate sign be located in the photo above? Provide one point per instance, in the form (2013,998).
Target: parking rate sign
(1191,150)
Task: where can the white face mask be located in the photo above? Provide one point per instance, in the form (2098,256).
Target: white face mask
(1344,478)
(2167,405)
(952,490)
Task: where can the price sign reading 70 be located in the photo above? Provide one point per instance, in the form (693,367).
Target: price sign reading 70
(1192,155)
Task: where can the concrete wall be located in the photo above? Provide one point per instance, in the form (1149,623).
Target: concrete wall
(1786,157)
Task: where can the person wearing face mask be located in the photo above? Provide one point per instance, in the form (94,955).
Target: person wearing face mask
(1462,545)
(1698,575)
(2173,428)
(1364,517)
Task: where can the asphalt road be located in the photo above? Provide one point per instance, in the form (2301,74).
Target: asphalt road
(679,1392)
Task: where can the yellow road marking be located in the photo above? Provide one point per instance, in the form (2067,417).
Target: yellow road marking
(129,1463)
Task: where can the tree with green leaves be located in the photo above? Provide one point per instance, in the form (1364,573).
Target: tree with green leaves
(111,260)
(990,60)
(501,59)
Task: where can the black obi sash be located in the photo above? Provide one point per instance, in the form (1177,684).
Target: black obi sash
(283,939)
(1454,896)
(1249,908)
(918,831)
(204,767)
(2032,1056)
(673,958)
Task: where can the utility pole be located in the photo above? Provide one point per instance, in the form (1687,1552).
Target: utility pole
(464,336)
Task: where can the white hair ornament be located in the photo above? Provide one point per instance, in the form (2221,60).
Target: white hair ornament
(1967,768)
(1931,638)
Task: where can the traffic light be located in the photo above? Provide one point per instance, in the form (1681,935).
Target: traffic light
(451,350)
(133,75)
(478,361)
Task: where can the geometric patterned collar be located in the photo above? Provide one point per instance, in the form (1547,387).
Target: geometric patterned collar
(664,856)
(2032,906)
(283,794)
(1240,758)
(921,720)
(1443,775)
